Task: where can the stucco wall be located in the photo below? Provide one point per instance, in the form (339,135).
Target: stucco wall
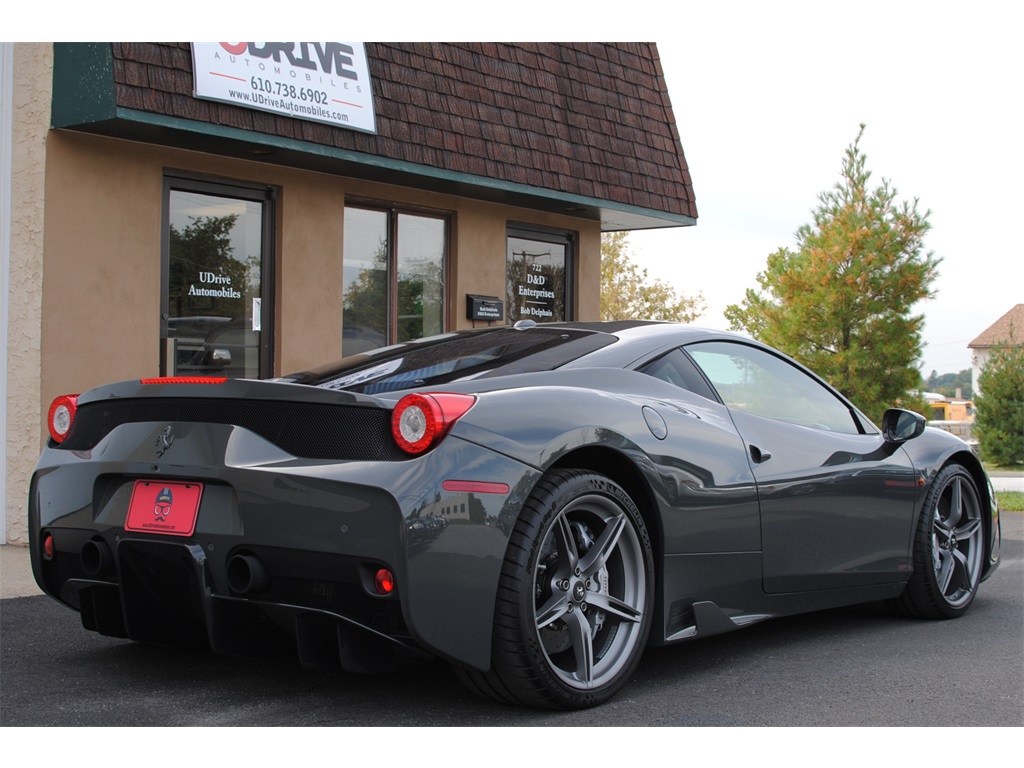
(33,64)
(103,236)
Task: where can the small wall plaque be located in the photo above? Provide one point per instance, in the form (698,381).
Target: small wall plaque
(484,307)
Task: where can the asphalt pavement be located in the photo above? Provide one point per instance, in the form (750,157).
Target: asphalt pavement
(859,666)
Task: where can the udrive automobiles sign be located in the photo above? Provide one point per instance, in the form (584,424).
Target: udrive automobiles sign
(325,82)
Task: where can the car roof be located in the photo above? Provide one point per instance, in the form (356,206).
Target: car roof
(638,339)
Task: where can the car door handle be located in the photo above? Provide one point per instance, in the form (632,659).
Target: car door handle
(759,456)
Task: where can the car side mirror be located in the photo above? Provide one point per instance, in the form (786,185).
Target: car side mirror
(898,425)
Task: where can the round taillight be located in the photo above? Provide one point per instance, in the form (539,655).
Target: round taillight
(421,421)
(384,581)
(62,416)
(414,423)
(49,550)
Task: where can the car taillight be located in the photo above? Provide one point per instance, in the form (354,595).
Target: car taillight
(62,416)
(421,421)
(185,380)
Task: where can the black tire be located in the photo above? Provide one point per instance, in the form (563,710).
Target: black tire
(949,549)
(574,600)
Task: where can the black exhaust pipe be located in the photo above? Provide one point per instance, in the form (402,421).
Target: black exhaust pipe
(97,559)
(246,573)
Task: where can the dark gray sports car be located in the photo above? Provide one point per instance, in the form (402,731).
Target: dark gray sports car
(534,504)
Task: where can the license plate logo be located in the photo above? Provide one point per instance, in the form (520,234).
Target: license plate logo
(159,506)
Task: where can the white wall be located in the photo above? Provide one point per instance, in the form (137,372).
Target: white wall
(26,77)
(6,116)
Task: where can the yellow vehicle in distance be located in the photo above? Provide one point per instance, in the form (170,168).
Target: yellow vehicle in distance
(954,415)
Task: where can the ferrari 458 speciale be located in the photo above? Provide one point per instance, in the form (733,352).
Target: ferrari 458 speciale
(534,504)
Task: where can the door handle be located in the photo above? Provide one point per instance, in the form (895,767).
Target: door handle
(759,456)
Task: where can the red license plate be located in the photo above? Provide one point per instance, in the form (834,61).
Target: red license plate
(159,506)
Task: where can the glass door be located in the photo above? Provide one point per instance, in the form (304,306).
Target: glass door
(216,267)
(538,275)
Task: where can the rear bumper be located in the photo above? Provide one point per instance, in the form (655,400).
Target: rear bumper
(317,530)
(162,597)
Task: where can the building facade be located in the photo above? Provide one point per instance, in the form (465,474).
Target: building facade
(1008,330)
(331,199)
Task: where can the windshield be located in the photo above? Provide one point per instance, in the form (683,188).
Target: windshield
(456,357)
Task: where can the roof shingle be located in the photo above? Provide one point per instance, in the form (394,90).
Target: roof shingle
(588,119)
(1009,327)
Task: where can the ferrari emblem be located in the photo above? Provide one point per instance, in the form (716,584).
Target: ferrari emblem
(163,441)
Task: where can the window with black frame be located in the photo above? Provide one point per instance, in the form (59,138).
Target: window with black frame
(217,267)
(538,275)
(393,277)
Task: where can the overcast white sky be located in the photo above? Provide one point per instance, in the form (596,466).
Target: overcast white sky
(767,96)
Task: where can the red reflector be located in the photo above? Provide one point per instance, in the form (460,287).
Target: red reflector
(472,486)
(384,581)
(48,549)
(185,380)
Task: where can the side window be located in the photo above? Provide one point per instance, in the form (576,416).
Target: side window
(760,383)
(676,368)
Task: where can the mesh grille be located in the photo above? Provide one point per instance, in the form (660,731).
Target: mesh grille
(305,430)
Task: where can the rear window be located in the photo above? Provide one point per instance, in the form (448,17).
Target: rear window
(456,357)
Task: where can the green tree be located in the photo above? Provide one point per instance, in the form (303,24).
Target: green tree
(841,302)
(999,415)
(948,383)
(627,293)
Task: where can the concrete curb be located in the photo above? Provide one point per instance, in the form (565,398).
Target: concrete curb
(16,573)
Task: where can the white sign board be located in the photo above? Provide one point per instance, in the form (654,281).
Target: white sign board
(325,82)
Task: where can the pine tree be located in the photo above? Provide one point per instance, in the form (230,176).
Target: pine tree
(999,417)
(840,303)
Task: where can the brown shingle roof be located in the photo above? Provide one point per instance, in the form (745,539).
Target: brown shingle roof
(587,119)
(999,332)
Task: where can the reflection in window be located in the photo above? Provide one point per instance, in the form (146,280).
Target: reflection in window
(421,242)
(501,351)
(758,382)
(679,370)
(537,276)
(364,280)
(393,278)
(214,284)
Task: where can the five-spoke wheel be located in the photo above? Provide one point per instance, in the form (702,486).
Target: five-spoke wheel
(590,591)
(949,548)
(575,596)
